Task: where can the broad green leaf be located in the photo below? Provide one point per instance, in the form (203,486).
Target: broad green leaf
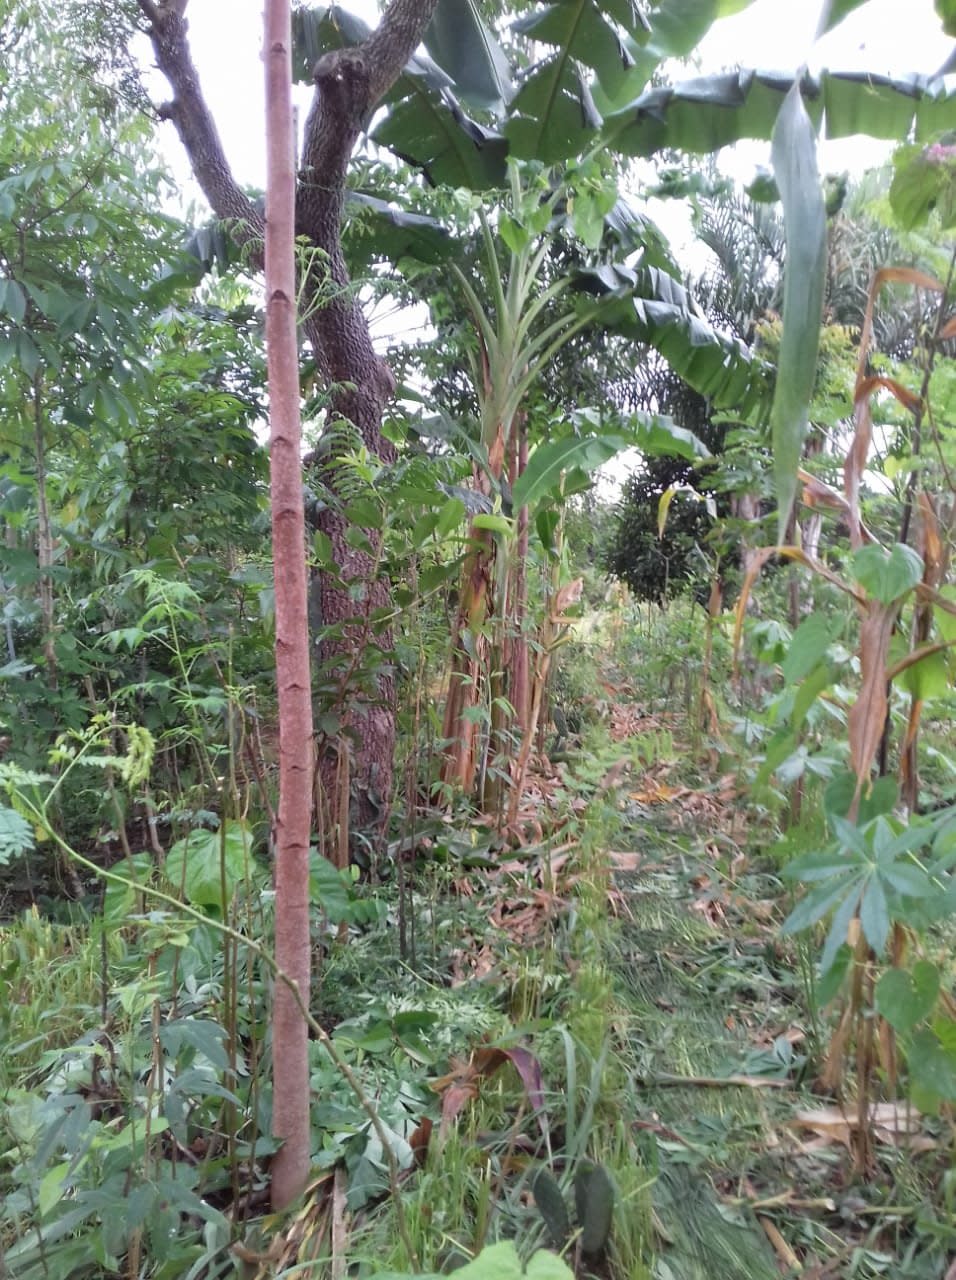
(927,679)
(834,11)
(841,791)
(839,929)
(818,903)
(12,300)
(924,182)
(818,866)
(495,1262)
(496,524)
(587,218)
(202,1035)
(582,32)
(909,880)
(594,1202)
(708,112)
(678,26)
(437,136)
(887,575)
(809,644)
(205,861)
(461,44)
(449,517)
(807,694)
(654,307)
(547,1266)
(794,155)
(553,116)
(946,9)
(547,464)
(322,546)
(364,512)
(851,836)
(829,983)
(376,229)
(546,523)
(329,888)
(932,1068)
(423,528)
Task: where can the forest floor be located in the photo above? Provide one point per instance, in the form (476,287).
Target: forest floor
(715,1021)
(593,1032)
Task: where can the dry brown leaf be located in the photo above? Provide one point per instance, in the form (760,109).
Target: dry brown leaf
(710,909)
(893,1123)
(623,859)
(867,716)
(657,793)
(420,1139)
(564,598)
(461,1084)
(855,464)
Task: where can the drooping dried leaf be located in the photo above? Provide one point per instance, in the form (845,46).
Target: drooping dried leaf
(865,385)
(930,542)
(565,597)
(461,1084)
(868,714)
(759,558)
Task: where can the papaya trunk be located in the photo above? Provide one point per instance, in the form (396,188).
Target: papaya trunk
(290,1033)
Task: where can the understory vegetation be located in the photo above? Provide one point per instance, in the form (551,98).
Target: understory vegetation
(625,946)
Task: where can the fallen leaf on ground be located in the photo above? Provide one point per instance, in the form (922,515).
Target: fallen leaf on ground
(893,1123)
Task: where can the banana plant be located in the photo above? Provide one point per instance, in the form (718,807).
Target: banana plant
(515,340)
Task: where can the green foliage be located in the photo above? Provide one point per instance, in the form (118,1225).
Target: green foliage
(501,1262)
(16,835)
(924,183)
(208,866)
(795,166)
(887,575)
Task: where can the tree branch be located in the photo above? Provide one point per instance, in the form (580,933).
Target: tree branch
(394,41)
(194,123)
(349,83)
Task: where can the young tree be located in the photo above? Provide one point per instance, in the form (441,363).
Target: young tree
(290,1032)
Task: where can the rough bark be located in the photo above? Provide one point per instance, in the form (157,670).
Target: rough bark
(290,1032)
(348,85)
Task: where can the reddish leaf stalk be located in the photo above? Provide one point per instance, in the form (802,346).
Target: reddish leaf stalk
(290,1042)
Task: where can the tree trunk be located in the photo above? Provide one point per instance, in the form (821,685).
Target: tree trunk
(348,85)
(290,1032)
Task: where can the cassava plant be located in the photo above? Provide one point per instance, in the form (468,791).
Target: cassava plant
(875,880)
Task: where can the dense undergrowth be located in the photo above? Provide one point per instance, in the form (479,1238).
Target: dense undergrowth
(594,1042)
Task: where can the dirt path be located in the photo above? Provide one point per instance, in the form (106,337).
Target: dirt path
(705,999)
